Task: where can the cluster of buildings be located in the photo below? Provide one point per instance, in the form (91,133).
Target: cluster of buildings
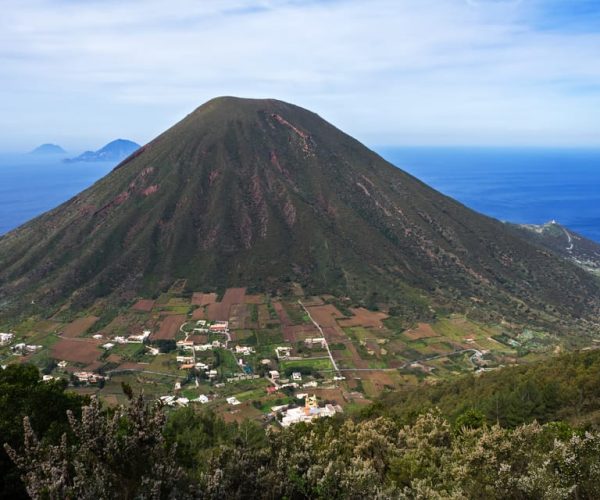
(307,413)
(174,400)
(190,345)
(87,377)
(132,339)
(316,341)
(22,349)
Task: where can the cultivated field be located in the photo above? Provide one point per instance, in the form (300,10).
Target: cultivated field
(78,327)
(84,351)
(169,327)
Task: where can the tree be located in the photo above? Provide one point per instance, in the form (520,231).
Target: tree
(23,393)
(120,454)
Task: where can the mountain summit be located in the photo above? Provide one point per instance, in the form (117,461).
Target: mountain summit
(265,194)
(113,151)
(48,149)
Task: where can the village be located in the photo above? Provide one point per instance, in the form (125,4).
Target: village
(276,360)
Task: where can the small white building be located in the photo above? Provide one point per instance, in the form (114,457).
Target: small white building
(283,352)
(220,327)
(6,338)
(233,401)
(22,348)
(168,400)
(88,377)
(296,376)
(138,339)
(108,345)
(316,341)
(274,375)
(201,399)
(244,350)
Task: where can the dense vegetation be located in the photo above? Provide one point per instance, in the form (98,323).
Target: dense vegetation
(565,388)
(390,452)
(264,194)
(22,394)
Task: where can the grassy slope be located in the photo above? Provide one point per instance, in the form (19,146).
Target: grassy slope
(261,193)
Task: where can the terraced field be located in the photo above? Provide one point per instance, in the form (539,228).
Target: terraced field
(316,344)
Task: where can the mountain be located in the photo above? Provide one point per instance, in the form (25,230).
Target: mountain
(113,151)
(48,149)
(564,242)
(265,194)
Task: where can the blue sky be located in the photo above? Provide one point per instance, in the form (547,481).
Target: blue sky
(390,72)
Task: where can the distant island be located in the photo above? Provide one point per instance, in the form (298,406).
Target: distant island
(113,151)
(48,149)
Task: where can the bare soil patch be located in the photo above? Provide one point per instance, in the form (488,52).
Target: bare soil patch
(199,313)
(203,299)
(422,331)
(364,317)
(169,327)
(78,327)
(238,316)
(76,350)
(143,305)
(254,299)
(282,314)
(297,333)
(326,315)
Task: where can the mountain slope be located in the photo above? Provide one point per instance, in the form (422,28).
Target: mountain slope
(564,242)
(262,193)
(113,151)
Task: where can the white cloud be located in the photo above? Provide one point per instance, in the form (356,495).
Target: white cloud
(403,71)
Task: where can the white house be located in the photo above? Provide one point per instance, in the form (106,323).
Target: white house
(6,338)
(244,350)
(283,352)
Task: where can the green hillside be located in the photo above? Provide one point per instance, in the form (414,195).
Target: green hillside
(261,193)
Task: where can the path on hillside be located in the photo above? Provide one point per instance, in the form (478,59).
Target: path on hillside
(335,366)
(570,247)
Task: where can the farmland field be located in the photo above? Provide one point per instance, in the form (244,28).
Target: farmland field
(78,327)
(169,327)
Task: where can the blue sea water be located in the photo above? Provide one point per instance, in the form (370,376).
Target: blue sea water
(31,185)
(525,185)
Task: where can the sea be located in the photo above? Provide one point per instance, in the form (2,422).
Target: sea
(523,185)
(30,185)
